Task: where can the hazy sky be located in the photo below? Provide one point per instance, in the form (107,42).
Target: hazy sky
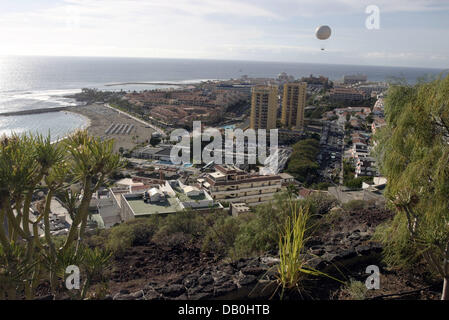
(412,32)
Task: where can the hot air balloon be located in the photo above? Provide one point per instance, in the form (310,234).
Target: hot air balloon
(323,33)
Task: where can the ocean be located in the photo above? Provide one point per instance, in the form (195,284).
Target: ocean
(42,82)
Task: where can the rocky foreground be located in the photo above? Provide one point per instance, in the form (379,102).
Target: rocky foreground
(341,248)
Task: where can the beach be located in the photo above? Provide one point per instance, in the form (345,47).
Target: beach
(101,118)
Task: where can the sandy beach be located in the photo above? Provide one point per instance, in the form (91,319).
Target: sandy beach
(101,119)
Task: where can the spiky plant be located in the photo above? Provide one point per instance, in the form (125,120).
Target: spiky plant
(31,163)
(293,264)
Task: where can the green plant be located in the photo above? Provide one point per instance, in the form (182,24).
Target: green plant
(188,222)
(413,153)
(220,237)
(293,266)
(95,261)
(356,290)
(302,164)
(31,163)
(120,238)
(354,205)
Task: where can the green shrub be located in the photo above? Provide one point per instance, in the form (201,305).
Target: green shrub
(133,233)
(220,238)
(356,290)
(188,222)
(320,203)
(354,205)
(120,238)
(143,230)
(398,251)
(253,239)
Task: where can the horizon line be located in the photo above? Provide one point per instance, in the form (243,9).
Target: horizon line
(226,60)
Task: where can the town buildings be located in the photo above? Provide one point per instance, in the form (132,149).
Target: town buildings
(343,94)
(352,79)
(365,166)
(171,197)
(230,184)
(239,208)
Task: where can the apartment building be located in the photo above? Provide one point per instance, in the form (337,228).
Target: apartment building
(346,94)
(233,185)
(359,149)
(264,106)
(365,166)
(293,104)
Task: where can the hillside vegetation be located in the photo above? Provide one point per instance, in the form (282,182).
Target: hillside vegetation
(413,152)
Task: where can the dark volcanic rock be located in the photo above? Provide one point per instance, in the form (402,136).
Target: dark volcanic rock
(329,256)
(190,280)
(255,271)
(173,291)
(120,296)
(344,243)
(205,279)
(138,294)
(347,254)
(221,277)
(47,297)
(225,288)
(200,296)
(247,280)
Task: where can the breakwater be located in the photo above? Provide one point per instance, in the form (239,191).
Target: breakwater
(32,111)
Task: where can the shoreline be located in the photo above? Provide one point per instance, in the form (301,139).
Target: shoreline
(87,125)
(101,117)
(64,116)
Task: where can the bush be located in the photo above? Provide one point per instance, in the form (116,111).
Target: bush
(255,239)
(189,223)
(354,205)
(397,250)
(356,290)
(320,203)
(260,233)
(220,238)
(249,234)
(143,230)
(133,233)
(120,239)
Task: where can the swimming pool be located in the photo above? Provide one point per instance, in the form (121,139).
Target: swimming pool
(229,126)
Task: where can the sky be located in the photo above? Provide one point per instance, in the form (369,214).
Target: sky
(411,32)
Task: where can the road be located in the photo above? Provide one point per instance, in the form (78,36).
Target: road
(331,149)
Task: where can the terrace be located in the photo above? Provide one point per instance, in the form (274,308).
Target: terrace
(168,205)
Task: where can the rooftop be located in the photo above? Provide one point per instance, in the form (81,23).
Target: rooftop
(141,208)
(185,198)
(217,174)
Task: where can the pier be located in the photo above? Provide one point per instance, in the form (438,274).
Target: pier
(33,111)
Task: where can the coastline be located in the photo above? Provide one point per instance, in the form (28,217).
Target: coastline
(101,118)
(87,125)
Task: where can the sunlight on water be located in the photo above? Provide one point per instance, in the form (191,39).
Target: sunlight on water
(58,124)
